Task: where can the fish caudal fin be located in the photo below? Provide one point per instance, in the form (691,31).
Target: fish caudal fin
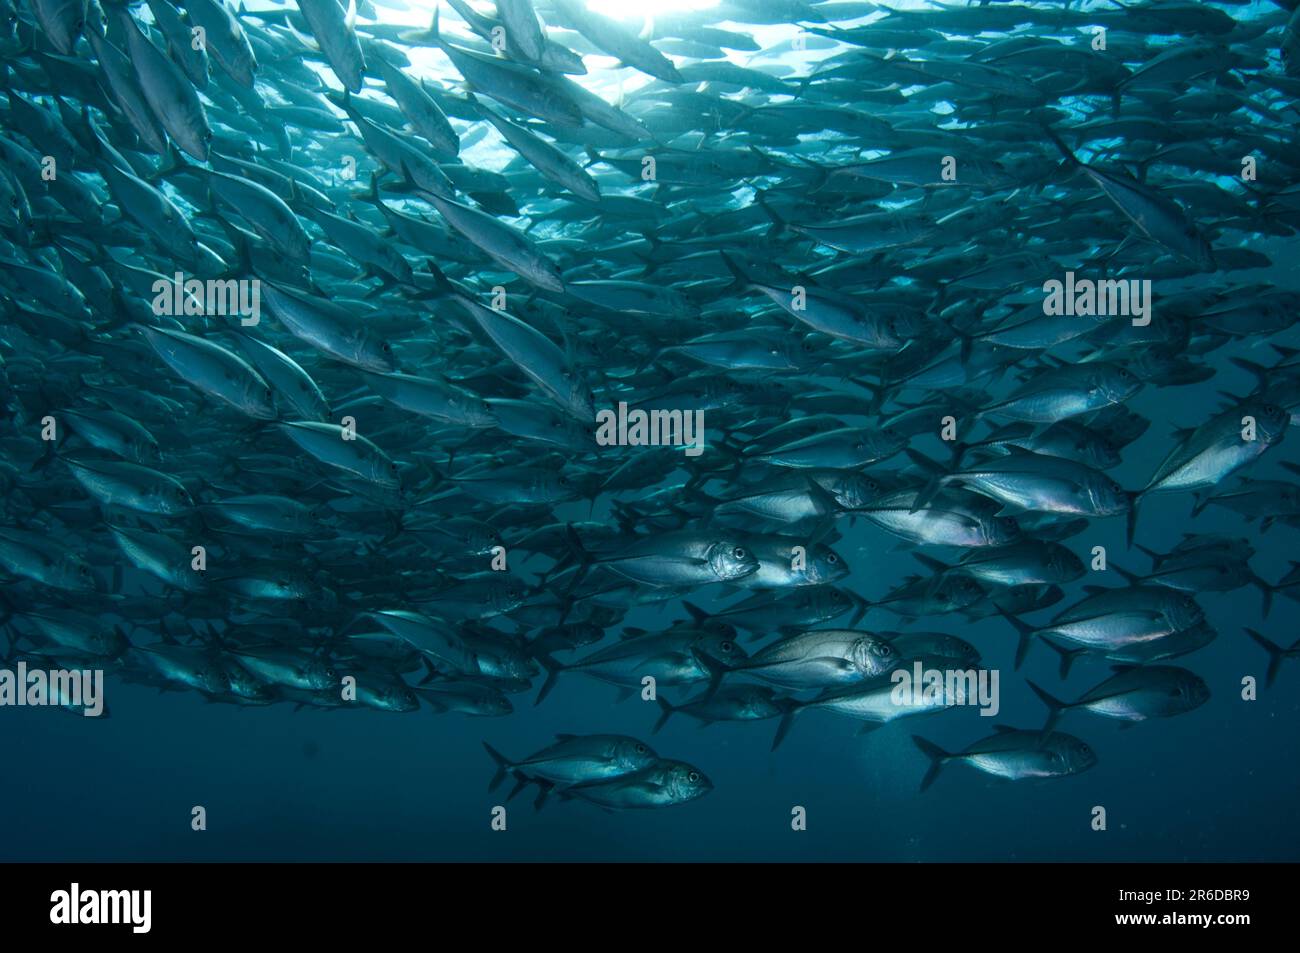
(938,758)
(1054,705)
(503,766)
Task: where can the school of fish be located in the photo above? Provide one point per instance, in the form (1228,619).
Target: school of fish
(302,393)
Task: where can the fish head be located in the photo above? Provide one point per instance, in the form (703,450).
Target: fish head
(1000,530)
(11,206)
(872,656)
(1116,384)
(214,678)
(1108,497)
(1271,422)
(956,591)
(633,755)
(1064,565)
(520,665)
(906,327)
(1027,598)
(1182,611)
(245,685)
(110,643)
(320,674)
(825,566)
(686,783)
(82,578)
(1076,755)
(1189,691)
(396,698)
(830,602)
(951,647)
(257,400)
(857,489)
(718,646)
(729,560)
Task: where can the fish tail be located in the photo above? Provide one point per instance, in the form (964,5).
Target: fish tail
(584,559)
(1266,591)
(48,457)
(1275,655)
(503,766)
(1131,578)
(1065,150)
(937,475)
(1054,705)
(1067,657)
(1025,631)
(544,789)
(1131,518)
(741,280)
(665,711)
(1200,501)
(717,670)
(778,223)
(783,727)
(553,670)
(1151,554)
(938,758)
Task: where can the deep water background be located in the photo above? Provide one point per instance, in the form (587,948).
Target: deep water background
(1218,784)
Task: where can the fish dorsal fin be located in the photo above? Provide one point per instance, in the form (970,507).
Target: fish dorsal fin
(1121,669)
(1004,729)
(561,736)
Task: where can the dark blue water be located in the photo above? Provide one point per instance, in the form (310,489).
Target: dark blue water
(1217,784)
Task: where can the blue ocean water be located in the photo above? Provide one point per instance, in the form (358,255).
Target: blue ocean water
(1218,783)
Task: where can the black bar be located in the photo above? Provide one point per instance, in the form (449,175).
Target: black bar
(328,902)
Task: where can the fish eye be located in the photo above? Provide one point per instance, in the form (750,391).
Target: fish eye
(726,647)
(387,347)
(693,777)
(883,650)
(832,558)
(640,749)
(739,552)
